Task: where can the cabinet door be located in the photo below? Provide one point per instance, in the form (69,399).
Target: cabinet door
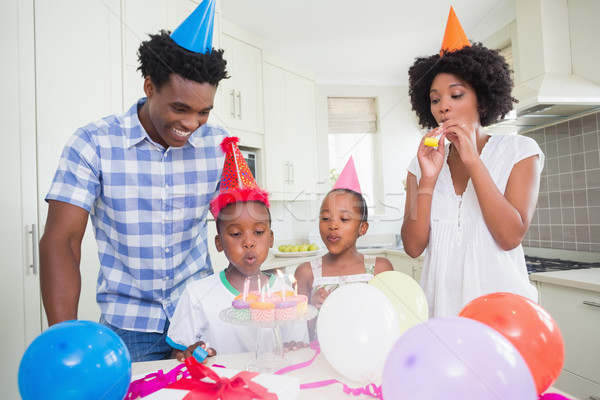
(577,313)
(19,286)
(78,80)
(290,134)
(406,264)
(242,94)
(277,166)
(301,135)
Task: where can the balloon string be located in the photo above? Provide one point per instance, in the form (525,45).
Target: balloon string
(371,389)
(313,345)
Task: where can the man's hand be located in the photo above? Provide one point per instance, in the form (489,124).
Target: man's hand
(189,352)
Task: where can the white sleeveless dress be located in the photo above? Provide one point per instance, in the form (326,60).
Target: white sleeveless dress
(462,260)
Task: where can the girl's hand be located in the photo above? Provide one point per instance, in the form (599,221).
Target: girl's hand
(463,138)
(189,352)
(431,160)
(319,297)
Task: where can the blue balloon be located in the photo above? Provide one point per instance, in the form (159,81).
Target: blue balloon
(75,360)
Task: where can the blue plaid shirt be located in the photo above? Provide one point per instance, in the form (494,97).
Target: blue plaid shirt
(148,206)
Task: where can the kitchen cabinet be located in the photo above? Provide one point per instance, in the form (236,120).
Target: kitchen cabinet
(576,310)
(404,263)
(242,94)
(19,287)
(290,134)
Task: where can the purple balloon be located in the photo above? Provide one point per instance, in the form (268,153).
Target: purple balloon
(455,358)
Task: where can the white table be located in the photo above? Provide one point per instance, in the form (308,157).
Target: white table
(319,370)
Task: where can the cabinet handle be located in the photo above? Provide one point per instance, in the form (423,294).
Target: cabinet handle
(292,169)
(593,304)
(239,96)
(233,103)
(34,245)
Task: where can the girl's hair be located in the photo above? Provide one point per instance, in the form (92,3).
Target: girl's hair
(485,69)
(361,204)
(160,57)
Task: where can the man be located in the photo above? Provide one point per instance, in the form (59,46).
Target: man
(146,178)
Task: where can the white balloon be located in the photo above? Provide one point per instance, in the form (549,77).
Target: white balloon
(356,327)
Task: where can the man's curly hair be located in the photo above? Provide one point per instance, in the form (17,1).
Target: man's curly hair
(160,57)
(485,69)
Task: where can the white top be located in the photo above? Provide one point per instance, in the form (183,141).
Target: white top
(463,261)
(330,283)
(197,318)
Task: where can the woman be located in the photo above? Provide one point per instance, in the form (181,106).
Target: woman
(471,199)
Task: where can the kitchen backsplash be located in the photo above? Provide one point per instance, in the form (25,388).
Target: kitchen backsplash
(568,208)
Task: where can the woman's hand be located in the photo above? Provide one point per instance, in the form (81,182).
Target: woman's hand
(189,352)
(464,139)
(431,160)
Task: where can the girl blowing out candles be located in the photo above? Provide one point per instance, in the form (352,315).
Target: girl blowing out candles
(342,220)
(470,199)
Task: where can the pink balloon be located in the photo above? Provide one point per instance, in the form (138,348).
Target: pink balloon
(455,358)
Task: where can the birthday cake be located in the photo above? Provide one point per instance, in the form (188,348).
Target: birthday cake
(278,306)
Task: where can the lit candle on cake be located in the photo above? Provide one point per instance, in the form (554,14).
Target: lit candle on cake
(294,284)
(246,287)
(283,286)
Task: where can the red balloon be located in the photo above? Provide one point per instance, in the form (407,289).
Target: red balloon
(529,327)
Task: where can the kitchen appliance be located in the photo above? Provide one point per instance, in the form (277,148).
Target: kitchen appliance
(540,264)
(251,160)
(556,75)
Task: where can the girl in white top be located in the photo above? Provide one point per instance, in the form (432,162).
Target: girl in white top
(342,220)
(470,201)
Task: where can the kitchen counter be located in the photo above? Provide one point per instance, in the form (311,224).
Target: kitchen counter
(273,262)
(587,279)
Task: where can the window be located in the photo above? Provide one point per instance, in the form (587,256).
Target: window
(353,132)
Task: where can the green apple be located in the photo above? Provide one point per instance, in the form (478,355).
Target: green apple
(313,247)
(283,248)
(303,247)
(295,248)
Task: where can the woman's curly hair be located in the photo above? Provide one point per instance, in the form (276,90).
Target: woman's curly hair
(160,57)
(485,69)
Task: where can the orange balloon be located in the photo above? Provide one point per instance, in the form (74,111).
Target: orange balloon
(529,327)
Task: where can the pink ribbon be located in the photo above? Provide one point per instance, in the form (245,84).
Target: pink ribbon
(371,389)
(154,382)
(553,396)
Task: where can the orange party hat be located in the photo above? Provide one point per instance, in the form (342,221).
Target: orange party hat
(348,178)
(455,37)
(237,183)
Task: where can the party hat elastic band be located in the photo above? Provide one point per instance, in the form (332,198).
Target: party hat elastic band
(237,183)
(455,37)
(348,178)
(196,32)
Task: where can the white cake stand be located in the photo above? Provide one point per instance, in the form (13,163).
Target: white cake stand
(269,355)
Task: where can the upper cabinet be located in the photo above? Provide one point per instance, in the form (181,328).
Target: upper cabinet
(290,134)
(242,94)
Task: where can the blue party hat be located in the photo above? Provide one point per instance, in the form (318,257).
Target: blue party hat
(195,33)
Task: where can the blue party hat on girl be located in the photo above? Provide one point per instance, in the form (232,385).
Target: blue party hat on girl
(196,32)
